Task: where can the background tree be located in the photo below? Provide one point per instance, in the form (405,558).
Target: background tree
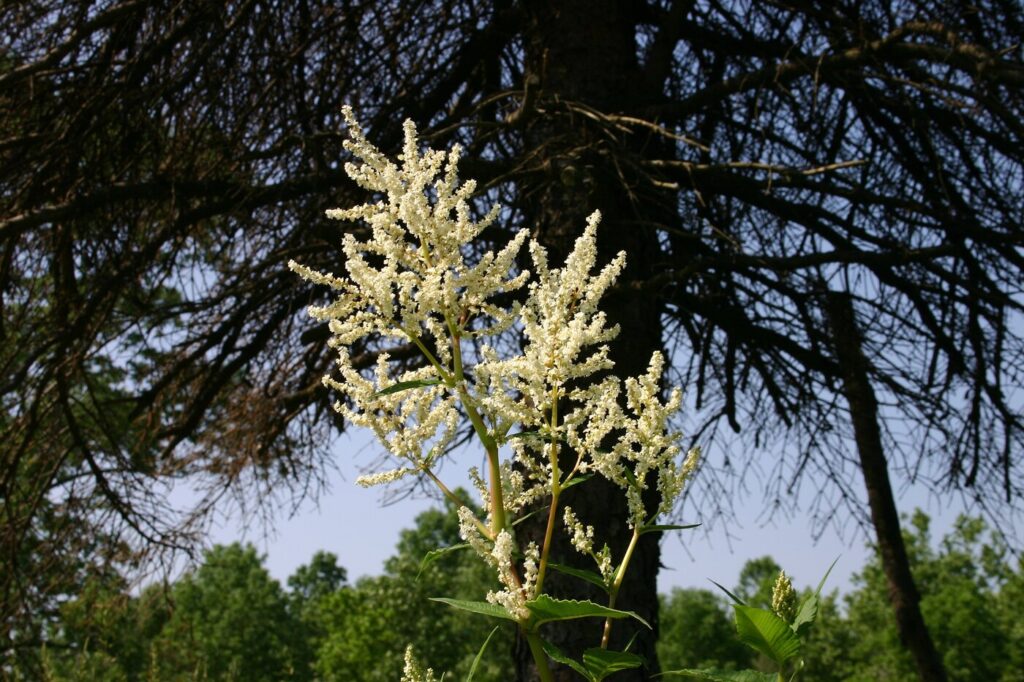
(696,630)
(962,583)
(162,161)
(369,625)
(230,621)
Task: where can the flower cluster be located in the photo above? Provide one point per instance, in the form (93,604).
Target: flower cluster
(410,281)
(784,598)
(500,556)
(413,671)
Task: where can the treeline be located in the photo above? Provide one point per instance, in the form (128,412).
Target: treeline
(230,620)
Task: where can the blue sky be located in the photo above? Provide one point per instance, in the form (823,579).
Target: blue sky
(353,523)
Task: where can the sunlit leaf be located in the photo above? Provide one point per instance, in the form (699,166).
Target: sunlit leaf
(407,385)
(546,609)
(482,607)
(766,632)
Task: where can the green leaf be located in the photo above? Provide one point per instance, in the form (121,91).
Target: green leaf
(732,596)
(546,609)
(766,632)
(825,577)
(480,654)
(601,663)
(535,512)
(523,434)
(630,476)
(483,607)
(663,528)
(406,385)
(808,612)
(716,675)
(435,554)
(560,656)
(806,615)
(576,480)
(581,573)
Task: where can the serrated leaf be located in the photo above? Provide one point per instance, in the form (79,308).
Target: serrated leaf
(601,663)
(546,609)
(732,596)
(766,632)
(480,655)
(560,656)
(435,554)
(406,385)
(664,527)
(716,675)
(581,573)
(482,607)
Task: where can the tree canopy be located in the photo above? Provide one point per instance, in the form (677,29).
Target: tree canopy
(161,161)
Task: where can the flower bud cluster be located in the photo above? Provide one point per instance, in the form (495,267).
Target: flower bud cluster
(413,671)
(784,598)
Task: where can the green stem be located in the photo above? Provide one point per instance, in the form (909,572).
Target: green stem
(556,490)
(441,371)
(614,592)
(539,657)
(548,534)
(497,499)
(446,491)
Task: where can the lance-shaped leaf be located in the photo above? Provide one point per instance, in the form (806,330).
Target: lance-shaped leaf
(546,609)
(581,573)
(407,385)
(435,554)
(732,596)
(767,633)
(560,656)
(480,655)
(666,527)
(601,663)
(808,612)
(482,607)
(716,675)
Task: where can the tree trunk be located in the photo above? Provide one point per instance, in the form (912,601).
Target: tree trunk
(860,396)
(584,51)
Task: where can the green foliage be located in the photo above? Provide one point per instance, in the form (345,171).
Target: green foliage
(757,577)
(696,632)
(969,598)
(766,632)
(228,620)
(368,625)
(597,664)
(231,620)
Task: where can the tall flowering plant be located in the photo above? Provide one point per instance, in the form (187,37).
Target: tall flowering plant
(553,403)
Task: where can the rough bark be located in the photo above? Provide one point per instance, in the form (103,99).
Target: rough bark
(860,396)
(583,54)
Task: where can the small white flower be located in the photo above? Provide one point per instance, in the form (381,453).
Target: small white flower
(581,536)
(514,595)
(413,671)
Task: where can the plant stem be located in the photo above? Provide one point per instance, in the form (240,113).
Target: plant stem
(548,535)
(556,490)
(497,498)
(539,657)
(456,499)
(614,592)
